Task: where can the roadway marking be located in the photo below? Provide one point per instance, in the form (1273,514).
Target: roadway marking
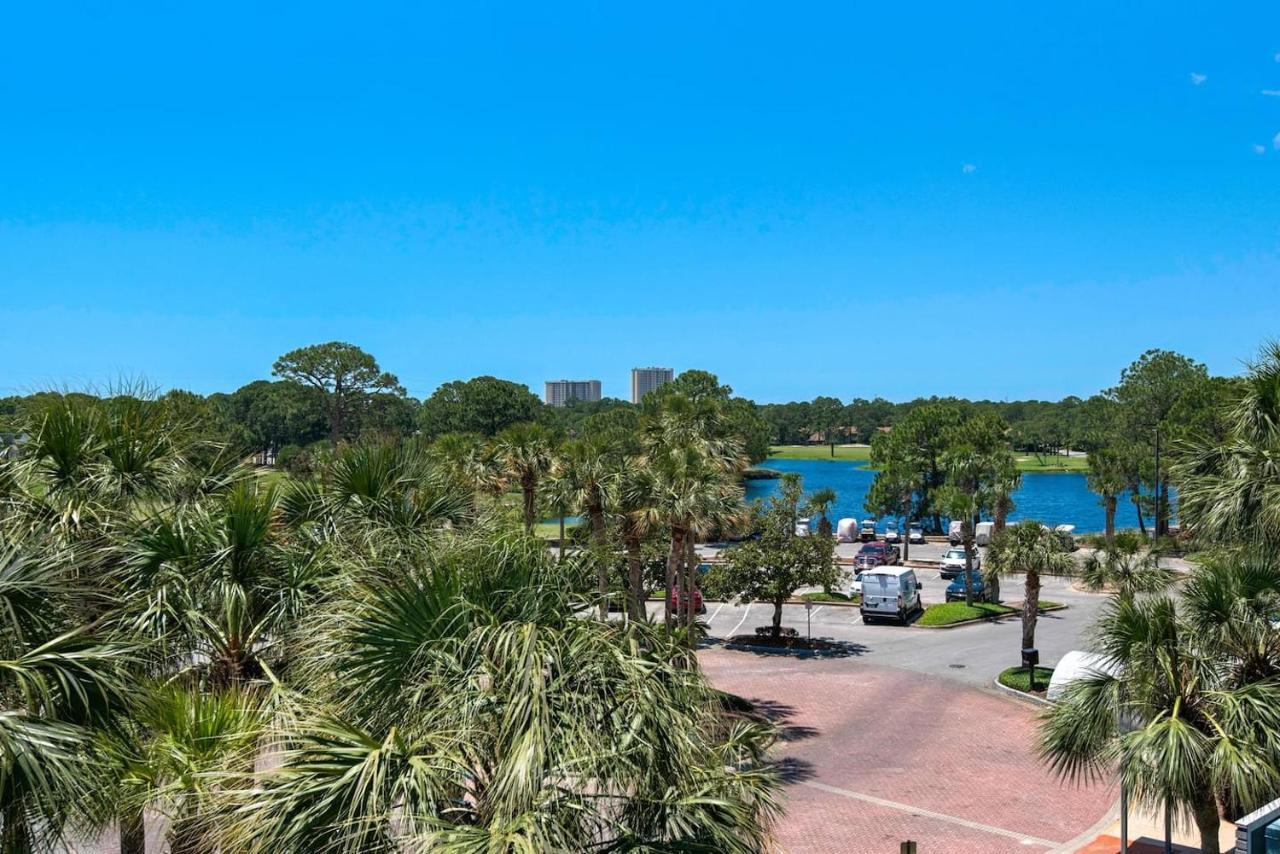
(716,612)
(950,819)
(740,622)
(815,611)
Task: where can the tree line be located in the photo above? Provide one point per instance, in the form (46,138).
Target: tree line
(374,654)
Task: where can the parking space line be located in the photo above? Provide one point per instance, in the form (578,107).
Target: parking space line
(740,622)
(716,612)
(815,611)
(1024,838)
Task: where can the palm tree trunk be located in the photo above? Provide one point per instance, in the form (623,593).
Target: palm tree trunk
(690,571)
(967,531)
(133,833)
(1205,810)
(595,515)
(1030,609)
(529,491)
(1137,505)
(673,566)
(1109,507)
(635,579)
(562,535)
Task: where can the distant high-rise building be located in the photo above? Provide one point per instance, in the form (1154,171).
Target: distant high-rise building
(645,380)
(560,392)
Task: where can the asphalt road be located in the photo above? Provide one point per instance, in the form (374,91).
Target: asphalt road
(971,654)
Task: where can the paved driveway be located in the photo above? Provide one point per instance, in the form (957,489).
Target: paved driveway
(972,654)
(877,755)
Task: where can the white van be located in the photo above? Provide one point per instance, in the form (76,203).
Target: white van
(983,533)
(889,592)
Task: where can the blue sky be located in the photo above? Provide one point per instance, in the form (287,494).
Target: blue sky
(1003,200)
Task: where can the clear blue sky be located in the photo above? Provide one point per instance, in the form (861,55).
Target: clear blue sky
(991,200)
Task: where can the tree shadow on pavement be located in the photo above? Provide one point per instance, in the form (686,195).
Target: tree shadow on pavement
(792,770)
(831,648)
(780,715)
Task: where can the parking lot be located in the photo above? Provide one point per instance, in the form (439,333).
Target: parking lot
(972,654)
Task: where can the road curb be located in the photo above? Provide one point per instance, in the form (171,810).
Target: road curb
(1021,695)
(1016,612)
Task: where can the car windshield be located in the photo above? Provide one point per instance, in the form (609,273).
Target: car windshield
(956,554)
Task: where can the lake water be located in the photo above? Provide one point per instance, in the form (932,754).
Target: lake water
(1055,499)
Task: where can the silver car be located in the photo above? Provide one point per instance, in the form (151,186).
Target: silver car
(953,563)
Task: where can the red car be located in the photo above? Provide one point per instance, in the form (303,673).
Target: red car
(877,554)
(677,602)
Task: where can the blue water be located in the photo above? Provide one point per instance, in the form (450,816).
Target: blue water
(1055,499)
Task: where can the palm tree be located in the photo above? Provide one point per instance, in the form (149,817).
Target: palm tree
(821,501)
(457,705)
(695,493)
(1107,477)
(584,478)
(1172,708)
(636,510)
(1003,485)
(1127,566)
(526,451)
(173,751)
(1032,549)
(58,683)
(1227,490)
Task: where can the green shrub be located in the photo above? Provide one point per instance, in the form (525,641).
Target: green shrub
(1016,678)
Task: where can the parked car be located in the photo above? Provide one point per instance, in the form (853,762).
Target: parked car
(953,562)
(855,586)
(1067,536)
(847,531)
(867,531)
(677,602)
(955,590)
(983,532)
(892,534)
(869,560)
(955,532)
(891,592)
(802,526)
(888,553)
(915,534)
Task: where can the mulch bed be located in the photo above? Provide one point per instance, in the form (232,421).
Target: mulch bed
(785,643)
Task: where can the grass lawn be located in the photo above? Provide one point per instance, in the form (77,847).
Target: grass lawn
(1049,464)
(834,596)
(1016,678)
(551,530)
(947,613)
(858,453)
(1052,464)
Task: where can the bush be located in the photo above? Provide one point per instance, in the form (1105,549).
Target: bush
(767,632)
(295,461)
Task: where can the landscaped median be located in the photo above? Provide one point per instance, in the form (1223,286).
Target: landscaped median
(1018,679)
(947,614)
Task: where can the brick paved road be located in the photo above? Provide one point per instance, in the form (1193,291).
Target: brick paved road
(876,755)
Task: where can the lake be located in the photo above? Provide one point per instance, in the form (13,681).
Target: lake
(1055,499)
